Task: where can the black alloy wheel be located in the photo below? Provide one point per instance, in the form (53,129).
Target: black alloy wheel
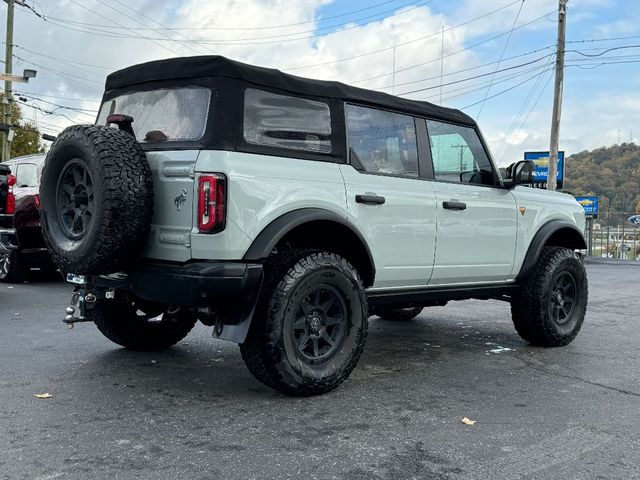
(319,325)
(563,298)
(75,201)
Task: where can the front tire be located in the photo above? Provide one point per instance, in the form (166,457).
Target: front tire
(310,325)
(550,306)
(142,327)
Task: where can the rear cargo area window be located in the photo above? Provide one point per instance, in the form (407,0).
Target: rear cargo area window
(162,115)
(283,121)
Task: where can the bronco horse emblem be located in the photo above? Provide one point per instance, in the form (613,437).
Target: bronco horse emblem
(180,199)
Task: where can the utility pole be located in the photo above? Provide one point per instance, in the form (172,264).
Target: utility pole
(557,96)
(7,83)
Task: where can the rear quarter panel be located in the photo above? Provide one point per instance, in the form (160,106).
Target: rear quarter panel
(541,206)
(261,188)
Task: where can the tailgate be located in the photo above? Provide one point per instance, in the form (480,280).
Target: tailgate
(173,209)
(4,187)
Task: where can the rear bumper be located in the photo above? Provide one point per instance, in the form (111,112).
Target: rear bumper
(226,292)
(8,240)
(195,285)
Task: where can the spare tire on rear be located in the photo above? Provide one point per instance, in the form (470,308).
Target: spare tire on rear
(96,199)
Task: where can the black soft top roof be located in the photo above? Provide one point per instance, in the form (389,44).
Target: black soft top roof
(218,66)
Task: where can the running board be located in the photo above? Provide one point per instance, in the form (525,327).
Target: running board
(438,296)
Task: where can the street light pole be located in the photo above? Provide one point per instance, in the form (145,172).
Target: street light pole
(557,96)
(7,83)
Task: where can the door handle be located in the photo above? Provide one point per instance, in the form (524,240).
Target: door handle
(454,205)
(370,199)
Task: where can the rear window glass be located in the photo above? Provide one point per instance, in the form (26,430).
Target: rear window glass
(27,175)
(168,114)
(287,122)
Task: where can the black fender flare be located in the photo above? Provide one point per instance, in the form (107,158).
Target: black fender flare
(541,238)
(268,238)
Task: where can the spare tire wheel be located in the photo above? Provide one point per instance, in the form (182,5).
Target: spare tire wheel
(97,199)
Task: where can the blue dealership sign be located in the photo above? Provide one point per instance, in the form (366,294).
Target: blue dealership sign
(590,205)
(635,220)
(541,172)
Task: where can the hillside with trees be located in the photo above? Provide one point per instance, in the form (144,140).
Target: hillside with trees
(612,173)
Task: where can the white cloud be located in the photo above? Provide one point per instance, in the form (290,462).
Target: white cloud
(273,47)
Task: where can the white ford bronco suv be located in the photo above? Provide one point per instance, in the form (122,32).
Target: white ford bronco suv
(284,211)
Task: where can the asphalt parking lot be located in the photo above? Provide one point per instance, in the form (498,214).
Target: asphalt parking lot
(195,412)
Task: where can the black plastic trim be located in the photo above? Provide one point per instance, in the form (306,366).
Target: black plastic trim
(539,241)
(231,289)
(265,242)
(437,295)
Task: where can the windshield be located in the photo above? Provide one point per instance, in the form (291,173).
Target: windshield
(167,114)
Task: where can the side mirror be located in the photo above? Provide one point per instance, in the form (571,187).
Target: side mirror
(520,173)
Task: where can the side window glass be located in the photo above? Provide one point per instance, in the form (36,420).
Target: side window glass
(286,122)
(27,175)
(383,142)
(458,154)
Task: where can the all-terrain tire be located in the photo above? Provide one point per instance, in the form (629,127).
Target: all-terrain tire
(399,314)
(272,352)
(537,309)
(97,199)
(126,325)
(11,268)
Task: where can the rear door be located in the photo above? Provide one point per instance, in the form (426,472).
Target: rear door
(173,212)
(476,218)
(386,200)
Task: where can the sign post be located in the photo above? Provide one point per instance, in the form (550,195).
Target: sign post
(541,171)
(590,206)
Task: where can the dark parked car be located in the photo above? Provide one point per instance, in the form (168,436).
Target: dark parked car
(31,253)
(8,239)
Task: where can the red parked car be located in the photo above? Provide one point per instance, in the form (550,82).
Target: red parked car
(31,252)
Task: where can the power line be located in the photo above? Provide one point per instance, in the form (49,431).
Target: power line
(503,91)
(59,97)
(166,35)
(530,52)
(245,28)
(504,49)
(65,59)
(431,35)
(239,42)
(113,21)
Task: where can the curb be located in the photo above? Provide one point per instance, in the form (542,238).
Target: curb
(610,261)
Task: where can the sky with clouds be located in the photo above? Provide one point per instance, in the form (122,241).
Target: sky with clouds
(494,58)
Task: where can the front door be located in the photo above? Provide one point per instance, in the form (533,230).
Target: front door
(386,200)
(476,218)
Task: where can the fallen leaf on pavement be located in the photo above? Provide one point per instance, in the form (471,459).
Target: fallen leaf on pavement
(42,395)
(468,421)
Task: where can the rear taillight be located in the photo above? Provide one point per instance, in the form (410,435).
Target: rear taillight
(212,197)
(11,198)
(36,199)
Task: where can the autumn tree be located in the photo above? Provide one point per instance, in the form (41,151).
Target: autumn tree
(26,139)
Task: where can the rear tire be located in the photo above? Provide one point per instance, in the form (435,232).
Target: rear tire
(310,324)
(127,325)
(550,306)
(11,268)
(399,314)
